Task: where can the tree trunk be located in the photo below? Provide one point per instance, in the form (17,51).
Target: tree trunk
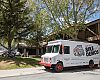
(75,35)
(9,43)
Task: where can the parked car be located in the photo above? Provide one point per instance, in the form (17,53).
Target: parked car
(2,50)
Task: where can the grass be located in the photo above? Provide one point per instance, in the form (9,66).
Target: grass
(16,63)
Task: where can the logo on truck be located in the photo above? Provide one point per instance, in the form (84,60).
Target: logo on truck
(91,50)
(78,50)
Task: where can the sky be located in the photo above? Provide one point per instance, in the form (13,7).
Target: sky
(94,17)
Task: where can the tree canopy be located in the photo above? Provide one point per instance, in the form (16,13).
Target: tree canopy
(31,20)
(71,14)
(15,20)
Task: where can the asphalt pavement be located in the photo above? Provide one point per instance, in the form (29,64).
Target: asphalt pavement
(68,74)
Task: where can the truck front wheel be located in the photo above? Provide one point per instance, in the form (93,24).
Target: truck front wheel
(47,67)
(58,67)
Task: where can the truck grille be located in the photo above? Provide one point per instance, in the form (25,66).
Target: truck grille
(45,59)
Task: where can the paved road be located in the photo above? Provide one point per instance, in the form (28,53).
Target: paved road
(67,74)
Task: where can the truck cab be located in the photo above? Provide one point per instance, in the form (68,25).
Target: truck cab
(53,56)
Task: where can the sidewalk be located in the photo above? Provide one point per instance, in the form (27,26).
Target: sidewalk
(19,72)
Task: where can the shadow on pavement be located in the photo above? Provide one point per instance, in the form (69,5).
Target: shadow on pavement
(72,69)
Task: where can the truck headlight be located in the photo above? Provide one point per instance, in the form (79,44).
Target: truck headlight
(41,59)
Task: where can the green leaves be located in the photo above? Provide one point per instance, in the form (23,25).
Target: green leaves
(32,19)
(15,19)
(71,12)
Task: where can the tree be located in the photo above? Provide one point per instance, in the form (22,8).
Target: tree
(41,22)
(71,15)
(15,20)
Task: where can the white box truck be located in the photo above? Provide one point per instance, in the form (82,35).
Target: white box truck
(67,53)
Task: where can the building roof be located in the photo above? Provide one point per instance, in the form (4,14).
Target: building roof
(93,22)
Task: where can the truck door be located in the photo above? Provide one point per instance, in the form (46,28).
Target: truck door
(66,55)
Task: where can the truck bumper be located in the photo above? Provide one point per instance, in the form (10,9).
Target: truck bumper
(45,64)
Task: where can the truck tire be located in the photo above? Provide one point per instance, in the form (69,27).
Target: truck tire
(99,65)
(58,67)
(47,67)
(91,64)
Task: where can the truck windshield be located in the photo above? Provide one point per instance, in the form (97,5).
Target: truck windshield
(55,49)
(52,49)
(48,49)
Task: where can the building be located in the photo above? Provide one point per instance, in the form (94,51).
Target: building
(27,50)
(91,33)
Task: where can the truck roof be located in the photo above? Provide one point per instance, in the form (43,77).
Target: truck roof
(60,41)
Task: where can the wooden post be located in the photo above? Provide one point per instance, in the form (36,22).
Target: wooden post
(99,28)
